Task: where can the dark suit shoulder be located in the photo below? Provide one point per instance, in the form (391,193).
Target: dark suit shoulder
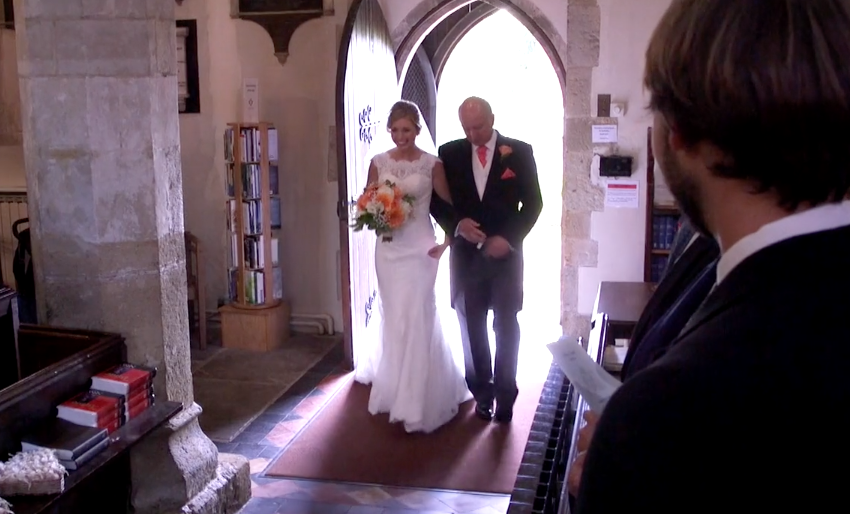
(641,441)
(451,147)
(515,143)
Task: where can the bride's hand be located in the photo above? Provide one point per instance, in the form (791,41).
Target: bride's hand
(437,251)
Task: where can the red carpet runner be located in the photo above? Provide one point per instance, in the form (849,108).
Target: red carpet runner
(344,443)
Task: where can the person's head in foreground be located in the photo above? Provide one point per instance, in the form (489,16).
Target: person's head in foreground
(751,105)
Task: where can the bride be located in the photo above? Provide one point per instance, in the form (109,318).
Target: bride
(412,369)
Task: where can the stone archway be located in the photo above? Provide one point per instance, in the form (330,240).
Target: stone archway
(573,60)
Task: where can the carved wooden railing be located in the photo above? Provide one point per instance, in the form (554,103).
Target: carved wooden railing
(280,18)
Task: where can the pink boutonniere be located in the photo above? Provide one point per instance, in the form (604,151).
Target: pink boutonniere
(505,151)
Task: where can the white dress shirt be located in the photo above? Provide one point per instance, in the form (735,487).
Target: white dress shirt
(481,172)
(818,219)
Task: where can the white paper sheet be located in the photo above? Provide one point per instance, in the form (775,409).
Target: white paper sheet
(592,382)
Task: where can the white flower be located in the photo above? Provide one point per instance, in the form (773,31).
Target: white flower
(374,208)
(386,190)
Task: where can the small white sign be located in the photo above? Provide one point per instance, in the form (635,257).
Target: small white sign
(250,101)
(622,194)
(604,134)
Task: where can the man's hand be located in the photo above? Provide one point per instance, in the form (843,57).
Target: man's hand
(585,435)
(468,229)
(497,247)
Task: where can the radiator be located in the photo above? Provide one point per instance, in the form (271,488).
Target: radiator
(13,206)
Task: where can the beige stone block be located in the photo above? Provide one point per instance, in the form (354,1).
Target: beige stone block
(163,47)
(125,203)
(575,224)
(579,82)
(586,197)
(164,122)
(90,47)
(569,287)
(580,252)
(583,29)
(578,134)
(36,44)
(157,9)
(61,103)
(576,325)
(580,194)
(119,115)
(48,9)
(114,8)
(576,165)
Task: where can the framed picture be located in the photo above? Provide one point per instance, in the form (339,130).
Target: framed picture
(188,82)
(8,15)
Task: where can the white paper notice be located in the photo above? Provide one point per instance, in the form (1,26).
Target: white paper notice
(604,134)
(592,382)
(250,101)
(622,194)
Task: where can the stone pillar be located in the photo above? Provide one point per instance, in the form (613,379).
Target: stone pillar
(102,151)
(582,196)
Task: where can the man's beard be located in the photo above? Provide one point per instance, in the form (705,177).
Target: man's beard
(685,190)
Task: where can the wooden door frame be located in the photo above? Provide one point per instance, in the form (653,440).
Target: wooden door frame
(342,181)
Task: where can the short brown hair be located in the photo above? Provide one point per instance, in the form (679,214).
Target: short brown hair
(767,82)
(405,109)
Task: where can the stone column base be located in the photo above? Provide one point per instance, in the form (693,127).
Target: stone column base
(178,469)
(228,492)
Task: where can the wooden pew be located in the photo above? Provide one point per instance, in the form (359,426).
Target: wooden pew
(57,364)
(616,312)
(8,337)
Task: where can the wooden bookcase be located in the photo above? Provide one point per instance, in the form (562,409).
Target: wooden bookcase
(662,223)
(256,317)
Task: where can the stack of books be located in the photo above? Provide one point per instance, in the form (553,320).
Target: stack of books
(130,384)
(83,423)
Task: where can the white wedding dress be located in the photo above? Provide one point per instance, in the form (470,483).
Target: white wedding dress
(412,369)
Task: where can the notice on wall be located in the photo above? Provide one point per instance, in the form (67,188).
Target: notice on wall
(604,134)
(250,101)
(622,194)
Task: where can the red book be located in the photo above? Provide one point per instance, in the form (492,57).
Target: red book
(134,410)
(89,407)
(124,379)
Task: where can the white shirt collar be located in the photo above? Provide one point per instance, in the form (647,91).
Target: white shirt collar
(491,144)
(817,219)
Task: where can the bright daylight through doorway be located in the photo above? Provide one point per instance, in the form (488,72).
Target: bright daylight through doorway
(501,61)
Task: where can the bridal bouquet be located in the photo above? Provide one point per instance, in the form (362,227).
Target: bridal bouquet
(382,207)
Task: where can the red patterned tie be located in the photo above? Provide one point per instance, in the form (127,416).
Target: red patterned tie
(482,155)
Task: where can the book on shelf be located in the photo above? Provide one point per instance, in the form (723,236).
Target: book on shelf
(250,142)
(251,211)
(69,441)
(74,464)
(124,379)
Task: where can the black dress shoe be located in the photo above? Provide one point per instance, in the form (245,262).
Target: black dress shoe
(504,415)
(484,410)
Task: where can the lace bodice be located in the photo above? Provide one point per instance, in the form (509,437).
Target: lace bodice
(414,178)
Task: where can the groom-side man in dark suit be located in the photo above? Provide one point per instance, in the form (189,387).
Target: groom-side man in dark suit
(495,202)
(747,410)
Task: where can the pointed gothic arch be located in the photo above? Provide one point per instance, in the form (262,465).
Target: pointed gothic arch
(574,70)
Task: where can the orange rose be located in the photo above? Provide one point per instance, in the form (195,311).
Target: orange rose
(385,199)
(395,218)
(363,201)
(505,151)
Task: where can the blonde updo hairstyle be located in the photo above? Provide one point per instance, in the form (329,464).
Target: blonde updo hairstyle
(405,109)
